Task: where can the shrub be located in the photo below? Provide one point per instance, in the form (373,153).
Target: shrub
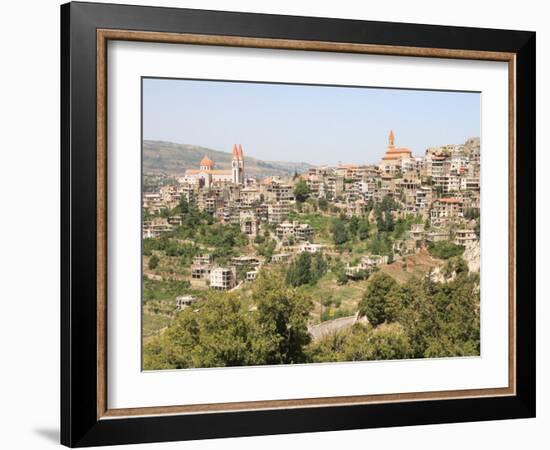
(445,249)
(153,262)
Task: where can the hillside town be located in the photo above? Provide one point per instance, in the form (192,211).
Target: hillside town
(441,187)
(216,230)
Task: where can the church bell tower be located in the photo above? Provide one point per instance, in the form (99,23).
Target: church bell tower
(237,165)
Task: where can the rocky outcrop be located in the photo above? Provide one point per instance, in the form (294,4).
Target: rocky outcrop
(471,256)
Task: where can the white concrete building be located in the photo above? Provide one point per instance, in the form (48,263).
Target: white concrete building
(222,278)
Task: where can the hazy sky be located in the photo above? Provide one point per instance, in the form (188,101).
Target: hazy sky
(315,124)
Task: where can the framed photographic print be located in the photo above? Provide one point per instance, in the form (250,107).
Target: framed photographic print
(276,224)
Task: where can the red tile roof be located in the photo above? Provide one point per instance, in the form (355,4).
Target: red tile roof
(206,161)
(449,200)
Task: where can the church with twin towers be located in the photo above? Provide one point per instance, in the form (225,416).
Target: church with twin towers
(207,174)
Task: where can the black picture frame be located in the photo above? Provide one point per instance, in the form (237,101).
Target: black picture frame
(80,425)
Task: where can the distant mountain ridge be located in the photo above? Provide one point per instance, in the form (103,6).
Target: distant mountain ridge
(174,159)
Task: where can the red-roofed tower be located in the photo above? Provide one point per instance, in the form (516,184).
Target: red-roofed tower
(237,164)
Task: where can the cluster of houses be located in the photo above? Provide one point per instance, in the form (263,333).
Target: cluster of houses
(227,194)
(440,187)
(205,273)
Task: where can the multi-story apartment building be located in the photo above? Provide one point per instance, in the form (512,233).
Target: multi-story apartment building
(333,186)
(275,190)
(298,231)
(152,202)
(315,184)
(366,189)
(202,259)
(250,195)
(201,271)
(277,212)
(465,237)
(210,202)
(444,209)
(155,227)
(201,267)
(245,260)
(423,199)
(222,278)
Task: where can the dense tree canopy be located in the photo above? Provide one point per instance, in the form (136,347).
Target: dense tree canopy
(306,269)
(282,317)
(416,319)
(440,319)
(220,331)
(363,343)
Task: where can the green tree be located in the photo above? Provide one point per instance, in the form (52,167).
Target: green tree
(363,230)
(377,304)
(241,271)
(457,312)
(362,343)
(183,205)
(455,266)
(471,213)
(153,262)
(353,226)
(155,355)
(330,348)
(267,249)
(339,232)
(318,267)
(416,312)
(339,272)
(282,318)
(299,271)
(301,191)
(389,224)
(441,319)
(384,214)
